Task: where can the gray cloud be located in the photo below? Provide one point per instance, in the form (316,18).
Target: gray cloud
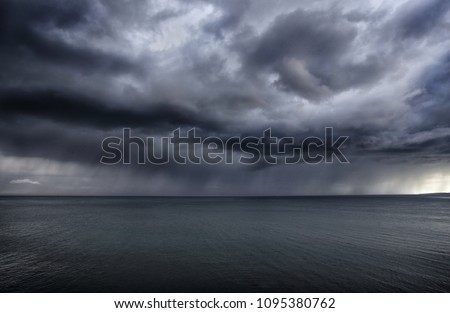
(74,73)
(231,15)
(431,103)
(417,18)
(312,53)
(29,33)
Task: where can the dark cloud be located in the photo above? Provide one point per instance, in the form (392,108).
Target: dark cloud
(431,103)
(309,53)
(302,34)
(417,18)
(79,110)
(29,34)
(76,72)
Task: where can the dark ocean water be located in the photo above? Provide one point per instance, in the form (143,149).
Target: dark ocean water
(301,244)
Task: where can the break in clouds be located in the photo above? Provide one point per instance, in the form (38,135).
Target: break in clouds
(75,72)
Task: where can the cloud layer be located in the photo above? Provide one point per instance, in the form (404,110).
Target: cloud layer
(76,72)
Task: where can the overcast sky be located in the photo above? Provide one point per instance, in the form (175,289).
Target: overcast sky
(75,72)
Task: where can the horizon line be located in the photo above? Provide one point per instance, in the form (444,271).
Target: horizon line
(230,196)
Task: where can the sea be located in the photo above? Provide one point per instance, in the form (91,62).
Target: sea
(225,244)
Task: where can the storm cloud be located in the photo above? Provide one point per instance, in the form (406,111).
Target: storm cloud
(74,73)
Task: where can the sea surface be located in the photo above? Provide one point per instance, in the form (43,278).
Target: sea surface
(266,244)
